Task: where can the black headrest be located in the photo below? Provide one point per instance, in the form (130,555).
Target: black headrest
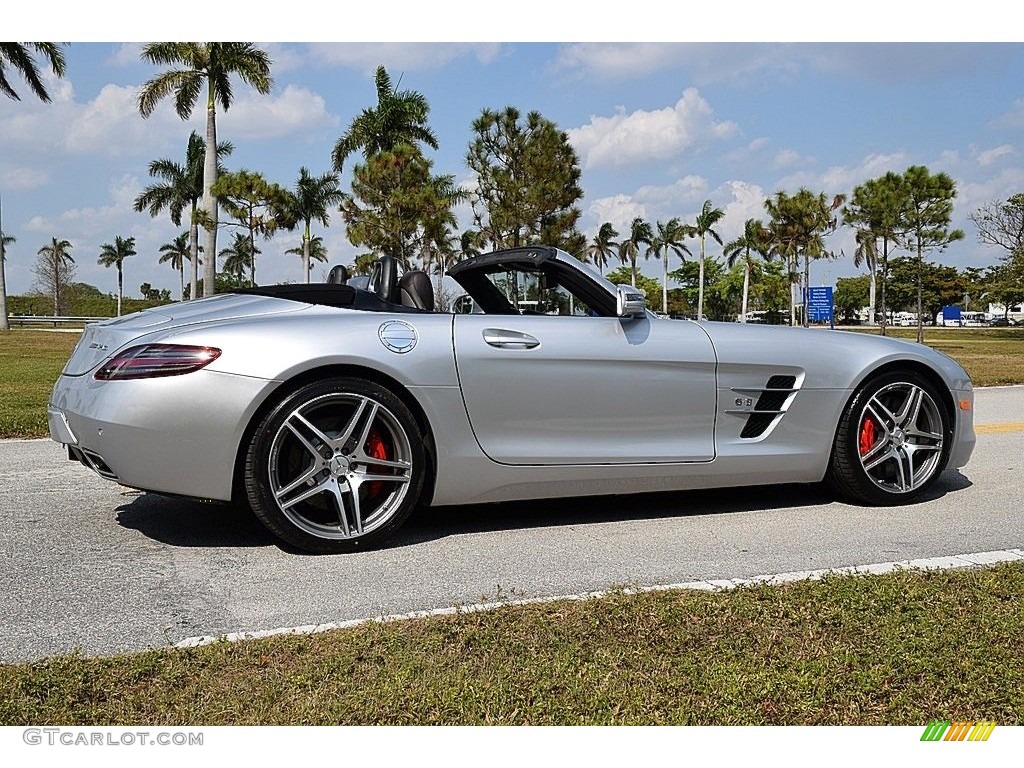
(338,275)
(415,290)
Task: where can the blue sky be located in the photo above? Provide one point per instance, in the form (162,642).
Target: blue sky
(659,128)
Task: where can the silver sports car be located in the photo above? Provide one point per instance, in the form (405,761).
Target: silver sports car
(333,410)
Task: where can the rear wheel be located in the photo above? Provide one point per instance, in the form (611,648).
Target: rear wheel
(893,440)
(336,466)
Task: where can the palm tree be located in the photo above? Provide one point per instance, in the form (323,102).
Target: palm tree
(310,201)
(57,258)
(603,247)
(5,240)
(311,250)
(629,249)
(799,225)
(400,117)
(755,239)
(181,186)
(209,64)
(668,239)
(177,252)
(866,253)
(113,255)
(878,209)
(20,57)
(239,256)
(706,219)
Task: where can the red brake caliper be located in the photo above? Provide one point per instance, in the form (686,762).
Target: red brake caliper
(376,449)
(867,436)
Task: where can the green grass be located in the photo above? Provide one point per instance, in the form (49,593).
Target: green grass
(991,355)
(30,362)
(902,648)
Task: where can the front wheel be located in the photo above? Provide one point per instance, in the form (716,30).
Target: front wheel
(892,441)
(336,466)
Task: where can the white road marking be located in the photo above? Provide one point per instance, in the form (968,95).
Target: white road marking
(972,560)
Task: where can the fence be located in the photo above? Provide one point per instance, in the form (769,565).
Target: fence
(54,321)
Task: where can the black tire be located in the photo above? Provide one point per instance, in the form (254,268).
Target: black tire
(892,441)
(336,466)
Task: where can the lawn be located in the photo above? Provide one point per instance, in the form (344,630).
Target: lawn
(901,648)
(30,362)
(991,355)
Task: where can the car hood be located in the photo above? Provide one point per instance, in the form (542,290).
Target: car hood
(101,341)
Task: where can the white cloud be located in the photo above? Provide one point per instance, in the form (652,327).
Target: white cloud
(646,135)
(989,156)
(620,210)
(788,158)
(294,111)
(841,179)
(400,56)
(23,178)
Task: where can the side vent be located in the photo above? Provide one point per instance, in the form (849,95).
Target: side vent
(770,404)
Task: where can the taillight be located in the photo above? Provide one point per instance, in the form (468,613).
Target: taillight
(149,361)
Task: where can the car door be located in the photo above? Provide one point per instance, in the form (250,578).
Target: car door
(587,390)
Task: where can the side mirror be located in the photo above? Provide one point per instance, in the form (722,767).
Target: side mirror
(629,301)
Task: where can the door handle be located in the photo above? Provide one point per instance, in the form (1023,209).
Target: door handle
(504,339)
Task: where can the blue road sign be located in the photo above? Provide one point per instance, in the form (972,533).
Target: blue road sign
(819,303)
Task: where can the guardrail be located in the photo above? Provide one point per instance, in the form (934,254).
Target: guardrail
(51,320)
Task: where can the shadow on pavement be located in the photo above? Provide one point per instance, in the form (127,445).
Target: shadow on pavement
(186,523)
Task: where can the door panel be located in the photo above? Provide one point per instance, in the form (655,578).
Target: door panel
(587,390)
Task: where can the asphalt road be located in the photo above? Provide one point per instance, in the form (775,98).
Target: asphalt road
(89,565)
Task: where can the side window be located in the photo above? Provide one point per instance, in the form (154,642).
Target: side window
(538,293)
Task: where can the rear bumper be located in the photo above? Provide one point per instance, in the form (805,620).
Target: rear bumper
(176,435)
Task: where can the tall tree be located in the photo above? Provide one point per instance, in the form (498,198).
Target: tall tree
(603,247)
(1002,224)
(877,209)
(259,206)
(799,225)
(528,177)
(929,215)
(629,249)
(754,240)
(239,257)
(310,201)
(113,255)
(396,202)
(54,270)
(309,251)
(702,227)
(177,253)
(181,187)
(21,57)
(400,117)
(5,240)
(198,65)
(668,238)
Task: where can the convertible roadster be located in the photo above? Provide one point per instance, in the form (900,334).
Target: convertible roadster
(333,410)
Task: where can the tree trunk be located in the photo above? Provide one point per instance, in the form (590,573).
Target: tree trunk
(4,323)
(807,289)
(664,284)
(885,266)
(700,282)
(746,289)
(791,267)
(120,288)
(920,277)
(305,253)
(193,250)
(871,296)
(181,276)
(209,201)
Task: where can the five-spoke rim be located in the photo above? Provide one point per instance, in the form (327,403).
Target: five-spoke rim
(900,437)
(340,466)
